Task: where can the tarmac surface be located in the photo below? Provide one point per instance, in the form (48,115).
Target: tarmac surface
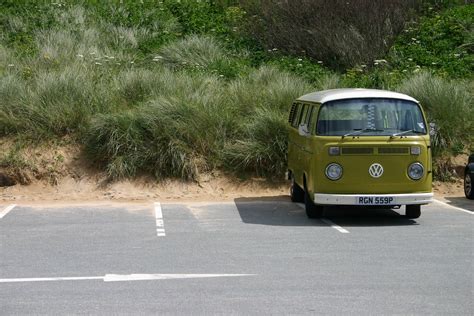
(248,256)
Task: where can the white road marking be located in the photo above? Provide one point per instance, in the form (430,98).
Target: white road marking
(125,277)
(49,279)
(454,207)
(7,210)
(160,224)
(144,277)
(339,228)
(328,222)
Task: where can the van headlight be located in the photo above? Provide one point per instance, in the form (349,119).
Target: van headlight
(334,171)
(416,171)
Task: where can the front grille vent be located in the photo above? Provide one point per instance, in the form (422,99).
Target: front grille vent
(393,150)
(357,150)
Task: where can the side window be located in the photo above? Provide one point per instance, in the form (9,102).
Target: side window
(309,114)
(303,114)
(312,119)
(294,109)
(296,114)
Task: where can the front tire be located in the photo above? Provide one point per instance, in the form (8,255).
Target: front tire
(296,192)
(413,211)
(312,210)
(468,191)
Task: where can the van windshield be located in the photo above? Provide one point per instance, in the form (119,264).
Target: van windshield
(370,117)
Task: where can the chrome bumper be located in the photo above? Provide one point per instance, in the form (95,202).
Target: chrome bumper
(355,199)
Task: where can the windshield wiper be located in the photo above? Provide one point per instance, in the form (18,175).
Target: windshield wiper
(406,132)
(360,131)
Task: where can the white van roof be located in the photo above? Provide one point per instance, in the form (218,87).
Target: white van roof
(340,94)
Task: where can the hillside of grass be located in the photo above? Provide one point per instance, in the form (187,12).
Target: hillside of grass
(181,88)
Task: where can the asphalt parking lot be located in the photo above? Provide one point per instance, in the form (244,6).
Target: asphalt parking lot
(247,256)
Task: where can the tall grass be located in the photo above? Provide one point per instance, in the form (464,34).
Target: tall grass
(263,147)
(194,50)
(140,102)
(449,104)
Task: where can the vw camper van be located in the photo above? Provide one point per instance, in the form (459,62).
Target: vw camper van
(360,147)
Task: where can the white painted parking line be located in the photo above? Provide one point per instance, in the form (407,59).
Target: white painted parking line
(160,224)
(7,210)
(328,222)
(454,207)
(339,228)
(125,277)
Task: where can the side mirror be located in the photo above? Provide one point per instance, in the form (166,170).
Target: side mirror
(303,130)
(433,129)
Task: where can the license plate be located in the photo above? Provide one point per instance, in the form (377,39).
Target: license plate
(375,200)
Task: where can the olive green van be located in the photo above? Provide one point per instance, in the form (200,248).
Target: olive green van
(359,147)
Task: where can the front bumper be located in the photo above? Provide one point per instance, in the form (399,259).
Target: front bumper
(373,199)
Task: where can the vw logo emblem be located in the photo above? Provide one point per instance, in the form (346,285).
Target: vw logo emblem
(376,170)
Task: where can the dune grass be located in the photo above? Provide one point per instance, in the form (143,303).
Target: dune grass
(448,104)
(142,99)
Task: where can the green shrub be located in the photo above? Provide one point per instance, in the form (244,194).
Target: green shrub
(443,43)
(192,51)
(340,33)
(448,104)
(136,85)
(263,147)
(117,141)
(266,87)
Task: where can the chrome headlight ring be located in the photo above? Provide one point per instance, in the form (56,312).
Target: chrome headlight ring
(416,171)
(333,171)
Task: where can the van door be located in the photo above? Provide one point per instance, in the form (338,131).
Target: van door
(296,142)
(307,153)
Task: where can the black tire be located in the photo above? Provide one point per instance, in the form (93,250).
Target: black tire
(296,192)
(312,210)
(468,181)
(413,211)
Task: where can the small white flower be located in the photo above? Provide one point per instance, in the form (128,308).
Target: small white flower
(320,61)
(98,63)
(11,65)
(80,55)
(433,63)
(274,49)
(410,59)
(299,59)
(222,76)
(132,62)
(299,65)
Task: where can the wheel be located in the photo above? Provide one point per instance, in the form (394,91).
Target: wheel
(296,192)
(413,211)
(312,210)
(468,186)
